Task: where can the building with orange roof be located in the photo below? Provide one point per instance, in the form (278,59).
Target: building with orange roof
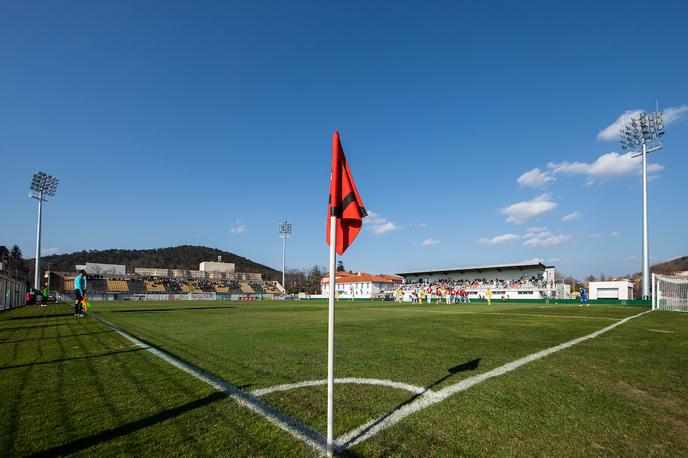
(361,285)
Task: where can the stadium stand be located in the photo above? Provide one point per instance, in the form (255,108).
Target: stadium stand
(137,286)
(96,285)
(155,287)
(117,286)
(246,288)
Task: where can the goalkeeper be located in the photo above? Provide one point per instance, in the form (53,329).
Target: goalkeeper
(79,292)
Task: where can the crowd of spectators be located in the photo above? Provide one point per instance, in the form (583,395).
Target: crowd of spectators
(474,284)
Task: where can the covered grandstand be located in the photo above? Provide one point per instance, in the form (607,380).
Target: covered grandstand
(210,282)
(524,280)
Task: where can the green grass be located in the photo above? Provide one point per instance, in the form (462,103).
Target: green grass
(74,386)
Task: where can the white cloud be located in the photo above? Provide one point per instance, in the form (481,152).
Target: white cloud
(523,211)
(238,227)
(422,224)
(379,225)
(430,242)
(672,114)
(653,168)
(535,178)
(49,251)
(615,234)
(595,236)
(607,166)
(571,217)
(554,260)
(533,260)
(550,240)
(631,258)
(499,239)
(611,132)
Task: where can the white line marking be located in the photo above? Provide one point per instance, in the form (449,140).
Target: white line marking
(452,312)
(373,427)
(348,380)
(308,435)
(661,330)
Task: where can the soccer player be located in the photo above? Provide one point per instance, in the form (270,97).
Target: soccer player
(79,291)
(584,297)
(489,296)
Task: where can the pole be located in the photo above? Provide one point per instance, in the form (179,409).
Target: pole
(284,257)
(654,292)
(646,247)
(37,272)
(330,338)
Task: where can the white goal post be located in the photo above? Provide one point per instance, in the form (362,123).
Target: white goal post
(669,293)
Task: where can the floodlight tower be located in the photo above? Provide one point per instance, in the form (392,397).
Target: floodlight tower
(42,187)
(644,133)
(284,230)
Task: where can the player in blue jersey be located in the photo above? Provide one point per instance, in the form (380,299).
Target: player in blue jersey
(584,297)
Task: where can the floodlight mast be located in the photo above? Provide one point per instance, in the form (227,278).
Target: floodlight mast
(645,134)
(284,230)
(42,187)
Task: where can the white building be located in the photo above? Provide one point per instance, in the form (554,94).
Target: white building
(361,285)
(95,268)
(216,266)
(618,289)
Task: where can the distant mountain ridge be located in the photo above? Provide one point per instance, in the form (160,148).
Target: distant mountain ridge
(179,257)
(663,268)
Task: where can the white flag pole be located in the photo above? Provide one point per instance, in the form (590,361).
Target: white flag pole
(330,338)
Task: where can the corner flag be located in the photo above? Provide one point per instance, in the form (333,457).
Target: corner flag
(345,215)
(345,203)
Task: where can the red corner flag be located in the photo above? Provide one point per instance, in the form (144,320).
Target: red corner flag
(345,203)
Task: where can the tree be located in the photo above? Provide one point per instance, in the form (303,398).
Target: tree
(603,277)
(314,279)
(16,257)
(340,266)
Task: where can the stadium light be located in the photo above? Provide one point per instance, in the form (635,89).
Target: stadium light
(42,187)
(284,230)
(644,136)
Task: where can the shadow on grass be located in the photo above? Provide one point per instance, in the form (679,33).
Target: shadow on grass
(52,337)
(171,310)
(31,327)
(76,358)
(89,441)
(467,366)
(37,317)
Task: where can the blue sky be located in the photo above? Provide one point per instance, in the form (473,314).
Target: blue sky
(475,130)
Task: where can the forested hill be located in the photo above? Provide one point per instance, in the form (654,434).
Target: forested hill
(669,267)
(664,268)
(179,257)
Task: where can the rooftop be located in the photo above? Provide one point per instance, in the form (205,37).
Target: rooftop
(497,267)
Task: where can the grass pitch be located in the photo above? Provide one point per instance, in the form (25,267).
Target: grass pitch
(74,386)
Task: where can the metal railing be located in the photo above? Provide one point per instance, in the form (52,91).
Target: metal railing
(12,292)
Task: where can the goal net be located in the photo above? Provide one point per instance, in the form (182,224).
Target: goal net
(670,293)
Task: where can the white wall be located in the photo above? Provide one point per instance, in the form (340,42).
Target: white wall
(214,266)
(622,290)
(359,289)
